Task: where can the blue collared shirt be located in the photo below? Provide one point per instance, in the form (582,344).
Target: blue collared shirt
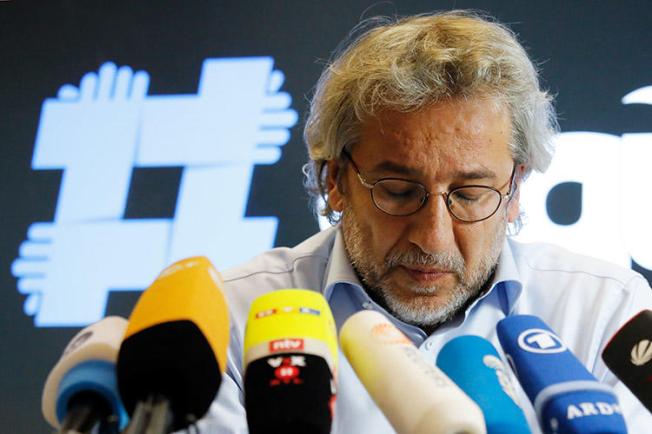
(583,299)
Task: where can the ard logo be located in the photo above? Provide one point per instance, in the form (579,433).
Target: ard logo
(540,341)
(585,409)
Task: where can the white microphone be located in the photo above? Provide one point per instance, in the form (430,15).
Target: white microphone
(415,395)
(81,390)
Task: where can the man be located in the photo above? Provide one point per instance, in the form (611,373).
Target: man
(420,135)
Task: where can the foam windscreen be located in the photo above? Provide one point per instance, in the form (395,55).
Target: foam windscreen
(290,363)
(629,355)
(175,344)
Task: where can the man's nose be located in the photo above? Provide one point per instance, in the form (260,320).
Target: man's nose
(431,228)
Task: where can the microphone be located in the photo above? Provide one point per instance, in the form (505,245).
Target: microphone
(415,396)
(474,365)
(566,397)
(629,355)
(290,358)
(173,355)
(80,392)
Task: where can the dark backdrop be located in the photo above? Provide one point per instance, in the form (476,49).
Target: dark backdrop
(591,54)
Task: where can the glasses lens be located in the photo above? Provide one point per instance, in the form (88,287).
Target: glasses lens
(398,197)
(473,203)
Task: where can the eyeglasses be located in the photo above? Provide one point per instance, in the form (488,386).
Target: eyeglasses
(400,197)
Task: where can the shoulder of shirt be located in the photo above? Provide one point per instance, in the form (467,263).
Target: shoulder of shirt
(548,258)
(283,260)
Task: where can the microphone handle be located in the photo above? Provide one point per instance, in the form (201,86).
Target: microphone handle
(152,416)
(85,411)
(160,421)
(138,419)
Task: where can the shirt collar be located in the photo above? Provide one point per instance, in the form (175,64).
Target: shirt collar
(508,277)
(505,286)
(339,268)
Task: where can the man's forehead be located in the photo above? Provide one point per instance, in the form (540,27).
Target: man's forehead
(466,169)
(466,139)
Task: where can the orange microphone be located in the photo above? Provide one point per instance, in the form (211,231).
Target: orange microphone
(173,355)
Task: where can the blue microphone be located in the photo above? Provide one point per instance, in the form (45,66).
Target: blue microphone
(474,365)
(81,392)
(566,397)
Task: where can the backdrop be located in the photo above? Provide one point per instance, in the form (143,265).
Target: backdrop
(136,133)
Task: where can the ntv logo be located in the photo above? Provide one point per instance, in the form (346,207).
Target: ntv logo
(98,132)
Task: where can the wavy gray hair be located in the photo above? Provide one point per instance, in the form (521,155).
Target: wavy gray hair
(408,63)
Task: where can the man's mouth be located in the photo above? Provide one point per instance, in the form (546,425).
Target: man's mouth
(426,274)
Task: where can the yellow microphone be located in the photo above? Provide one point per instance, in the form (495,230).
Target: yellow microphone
(290,358)
(174,350)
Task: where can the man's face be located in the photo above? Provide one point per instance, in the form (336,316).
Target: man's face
(426,266)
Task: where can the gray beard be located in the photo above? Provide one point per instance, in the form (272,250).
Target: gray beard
(375,279)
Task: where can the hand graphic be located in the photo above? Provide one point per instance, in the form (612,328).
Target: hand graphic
(275,122)
(238,116)
(91,133)
(67,270)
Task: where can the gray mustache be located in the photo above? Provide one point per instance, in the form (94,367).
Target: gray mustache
(441,260)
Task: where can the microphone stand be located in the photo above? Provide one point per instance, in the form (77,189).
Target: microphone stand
(86,411)
(152,416)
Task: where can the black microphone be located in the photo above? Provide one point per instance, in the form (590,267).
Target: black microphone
(629,356)
(173,355)
(290,350)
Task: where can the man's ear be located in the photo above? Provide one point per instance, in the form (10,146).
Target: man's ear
(335,195)
(513,209)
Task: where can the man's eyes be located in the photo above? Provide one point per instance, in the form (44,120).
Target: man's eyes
(403,190)
(398,190)
(469,195)
(464,196)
